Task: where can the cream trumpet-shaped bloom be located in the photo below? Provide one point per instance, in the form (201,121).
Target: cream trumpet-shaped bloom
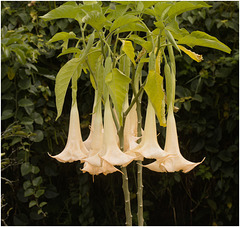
(95,139)
(149,147)
(111,152)
(130,128)
(75,150)
(106,168)
(176,161)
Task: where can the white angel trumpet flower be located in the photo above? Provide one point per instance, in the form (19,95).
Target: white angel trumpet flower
(149,147)
(74,150)
(176,161)
(130,128)
(106,168)
(111,152)
(94,143)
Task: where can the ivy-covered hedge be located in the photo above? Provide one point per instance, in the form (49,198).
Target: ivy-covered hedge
(36,190)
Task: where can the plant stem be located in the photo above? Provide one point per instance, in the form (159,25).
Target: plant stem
(126,193)
(125,188)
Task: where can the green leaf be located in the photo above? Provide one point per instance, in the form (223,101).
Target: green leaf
(128,50)
(117,12)
(123,20)
(175,30)
(63,78)
(26,121)
(161,9)
(39,193)
(183,6)
(140,41)
(154,90)
(71,50)
(42,204)
(35,170)
(198,38)
(135,26)
(26,184)
(117,83)
(28,192)
(96,19)
(37,181)
(32,203)
(37,136)
(25,102)
(62,36)
(172,40)
(20,55)
(24,83)
(37,118)
(63,11)
(6,114)
(70,69)
(26,168)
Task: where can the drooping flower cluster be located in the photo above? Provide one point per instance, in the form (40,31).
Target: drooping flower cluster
(100,152)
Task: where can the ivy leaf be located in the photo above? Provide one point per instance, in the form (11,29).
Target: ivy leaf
(117,83)
(183,6)
(154,90)
(129,50)
(198,38)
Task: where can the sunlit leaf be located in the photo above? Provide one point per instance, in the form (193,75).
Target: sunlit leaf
(183,6)
(140,41)
(123,20)
(191,54)
(128,50)
(63,78)
(154,90)
(63,11)
(198,38)
(62,36)
(118,84)
(95,18)
(135,26)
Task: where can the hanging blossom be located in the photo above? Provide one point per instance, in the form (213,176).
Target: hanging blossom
(176,161)
(75,149)
(130,128)
(94,164)
(149,147)
(111,151)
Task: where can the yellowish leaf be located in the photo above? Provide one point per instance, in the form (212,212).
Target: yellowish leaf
(191,54)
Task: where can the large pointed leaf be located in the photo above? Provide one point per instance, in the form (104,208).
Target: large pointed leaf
(140,41)
(154,90)
(135,26)
(62,36)
(96,19)
(123,20)
(183,6)
(128,50)
(70,69)
(63,11)
(63,78)
(117,84)
(198,38)
(177,33)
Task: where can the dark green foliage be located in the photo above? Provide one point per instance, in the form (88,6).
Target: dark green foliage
(37,190)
